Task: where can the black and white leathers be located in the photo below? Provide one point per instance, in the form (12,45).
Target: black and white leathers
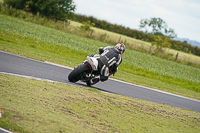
(111,59)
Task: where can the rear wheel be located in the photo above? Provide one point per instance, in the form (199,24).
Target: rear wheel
(74,76)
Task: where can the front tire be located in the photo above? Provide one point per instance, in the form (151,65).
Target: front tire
(74,76)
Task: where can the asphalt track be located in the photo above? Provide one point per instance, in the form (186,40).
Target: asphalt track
(22,66)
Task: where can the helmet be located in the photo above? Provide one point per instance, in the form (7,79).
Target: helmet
(120,47)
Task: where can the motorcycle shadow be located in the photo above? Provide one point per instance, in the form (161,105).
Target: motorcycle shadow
(93,86)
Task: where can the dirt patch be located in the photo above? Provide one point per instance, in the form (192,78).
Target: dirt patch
(18,118)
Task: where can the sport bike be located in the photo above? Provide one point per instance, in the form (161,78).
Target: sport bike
(86,72)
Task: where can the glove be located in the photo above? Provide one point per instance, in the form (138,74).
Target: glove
(113,69)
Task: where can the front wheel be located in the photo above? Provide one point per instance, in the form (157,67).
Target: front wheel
(74,76)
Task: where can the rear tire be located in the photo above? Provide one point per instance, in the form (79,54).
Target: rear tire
(74,76)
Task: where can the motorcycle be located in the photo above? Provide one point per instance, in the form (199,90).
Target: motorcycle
(86,72)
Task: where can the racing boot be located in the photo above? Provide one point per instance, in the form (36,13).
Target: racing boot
(93,81)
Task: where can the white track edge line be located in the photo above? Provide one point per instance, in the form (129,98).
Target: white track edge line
(58,65)
(41,79)
(5,130)
(155,90)
(29,77)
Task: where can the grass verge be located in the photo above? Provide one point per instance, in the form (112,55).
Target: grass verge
(29,105)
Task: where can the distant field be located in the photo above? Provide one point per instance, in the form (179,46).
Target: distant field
(114,36)
(46,44)
(138,43)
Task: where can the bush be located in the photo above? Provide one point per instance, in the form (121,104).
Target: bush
(87,25)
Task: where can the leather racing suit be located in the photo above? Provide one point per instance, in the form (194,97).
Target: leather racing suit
(110,59)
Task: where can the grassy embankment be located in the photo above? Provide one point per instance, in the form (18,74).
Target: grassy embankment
(29,105)
(46,44)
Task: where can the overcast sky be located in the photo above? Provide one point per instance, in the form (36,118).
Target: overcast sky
(181,15)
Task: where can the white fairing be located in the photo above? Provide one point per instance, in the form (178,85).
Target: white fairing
(93,63)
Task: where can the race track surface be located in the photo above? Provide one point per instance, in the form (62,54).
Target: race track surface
(17,65)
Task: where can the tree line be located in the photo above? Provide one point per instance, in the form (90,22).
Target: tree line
(149,37)
(52,9)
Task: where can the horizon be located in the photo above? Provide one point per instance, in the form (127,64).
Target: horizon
(176,14)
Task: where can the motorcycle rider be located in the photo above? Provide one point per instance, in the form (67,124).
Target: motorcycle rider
(110,59)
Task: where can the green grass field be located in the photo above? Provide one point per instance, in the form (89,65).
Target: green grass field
(33,106)
(46,44)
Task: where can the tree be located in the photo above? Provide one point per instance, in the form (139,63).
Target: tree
(161,42)
(57,9)
(158,27)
